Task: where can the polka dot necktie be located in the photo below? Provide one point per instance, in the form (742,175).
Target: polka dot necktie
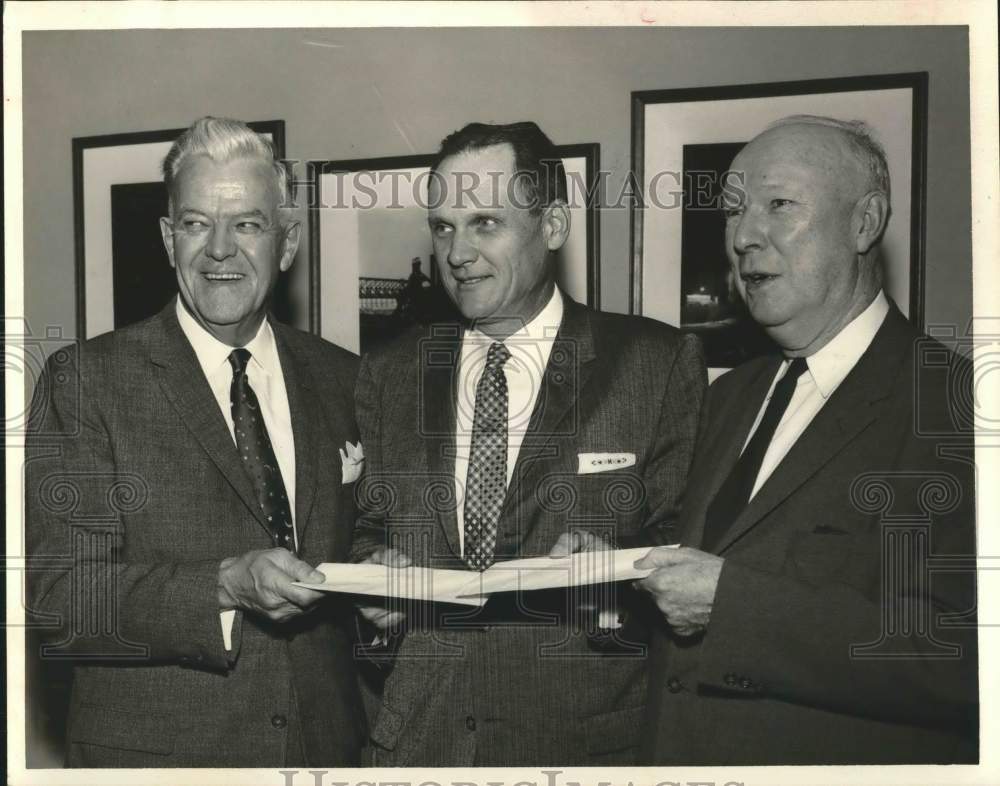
(486,481)
(257,454)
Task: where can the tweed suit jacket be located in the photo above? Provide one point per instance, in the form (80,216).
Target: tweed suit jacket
(520,682)
(135,494)
(843,626)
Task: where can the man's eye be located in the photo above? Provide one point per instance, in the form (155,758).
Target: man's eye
(777,204)
(485,222)
(194,225)
(249,227)
(732,212)
(440,230)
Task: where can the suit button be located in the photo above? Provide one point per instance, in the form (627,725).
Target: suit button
(730,679)
(674,685)
(279,721)
(470,723)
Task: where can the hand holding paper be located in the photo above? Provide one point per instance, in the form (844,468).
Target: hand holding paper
(471,588)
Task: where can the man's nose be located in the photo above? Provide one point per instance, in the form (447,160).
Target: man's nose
(221,243)
(748,234)
(463,250)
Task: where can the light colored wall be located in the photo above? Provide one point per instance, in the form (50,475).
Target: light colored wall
(366,93)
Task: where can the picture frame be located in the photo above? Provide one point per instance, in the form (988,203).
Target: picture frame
(122,273)
(368,222)
(683,140)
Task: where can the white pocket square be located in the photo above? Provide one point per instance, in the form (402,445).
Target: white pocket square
(353,461)
(603,462)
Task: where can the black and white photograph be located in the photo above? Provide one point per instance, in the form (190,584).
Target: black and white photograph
(501,394)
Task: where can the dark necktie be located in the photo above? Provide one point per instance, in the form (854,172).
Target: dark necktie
(734,494)
(486,481)
(255,449)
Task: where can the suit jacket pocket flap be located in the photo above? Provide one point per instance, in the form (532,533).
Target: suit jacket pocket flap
(613,731)
(114,728)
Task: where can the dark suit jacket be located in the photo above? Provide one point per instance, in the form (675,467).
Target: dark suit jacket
(828,641)
(135,494)
(519,682)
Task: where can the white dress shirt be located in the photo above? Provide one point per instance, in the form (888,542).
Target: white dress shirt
(529,349)
(828,367)
(268,383)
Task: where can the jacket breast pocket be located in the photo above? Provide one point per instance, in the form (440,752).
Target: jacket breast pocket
(821,553)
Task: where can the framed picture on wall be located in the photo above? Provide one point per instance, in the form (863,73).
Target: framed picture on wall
(684,140)
(368,224)
(122,272)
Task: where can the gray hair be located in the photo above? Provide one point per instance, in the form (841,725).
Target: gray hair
(860,139)
(222,140)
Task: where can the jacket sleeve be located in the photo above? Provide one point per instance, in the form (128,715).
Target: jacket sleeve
(369,531)
(667,470)
(97,606)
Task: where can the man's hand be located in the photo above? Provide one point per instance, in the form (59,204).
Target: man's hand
(578,540)
(379,616)
(261,582)
(682,585)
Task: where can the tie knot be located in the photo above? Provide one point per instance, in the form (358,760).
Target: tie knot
(497,355)
(796,369)
(238,359)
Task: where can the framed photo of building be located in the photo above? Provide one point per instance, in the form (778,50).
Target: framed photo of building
(368,224)
(122,272)
(684,140)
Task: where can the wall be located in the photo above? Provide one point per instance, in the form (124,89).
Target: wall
(366,93)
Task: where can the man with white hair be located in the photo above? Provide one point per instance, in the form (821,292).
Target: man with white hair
(808,617)
(183,473)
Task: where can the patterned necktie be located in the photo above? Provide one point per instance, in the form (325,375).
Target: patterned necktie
(258,456)
(734,494)
(486,481)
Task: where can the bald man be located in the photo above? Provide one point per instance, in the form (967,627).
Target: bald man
(804,620)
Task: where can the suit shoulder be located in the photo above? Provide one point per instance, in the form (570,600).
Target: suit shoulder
(318,349)
(407,346)
(737,379)
(624,329)
(117,347)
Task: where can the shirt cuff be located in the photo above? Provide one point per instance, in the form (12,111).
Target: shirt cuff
(226,618)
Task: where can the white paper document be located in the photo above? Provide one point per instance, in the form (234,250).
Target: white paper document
(472,588)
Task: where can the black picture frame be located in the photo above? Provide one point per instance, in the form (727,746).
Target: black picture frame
(120,174)
(671,125)
(330,216)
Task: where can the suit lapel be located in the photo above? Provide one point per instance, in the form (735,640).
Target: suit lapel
(724,446)
(566,374)
(436,395)
(186,388)
(304,407)
(850,410)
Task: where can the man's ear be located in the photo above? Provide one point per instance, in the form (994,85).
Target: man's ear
(167,232)
(555,225)
(872,214)
(290,244)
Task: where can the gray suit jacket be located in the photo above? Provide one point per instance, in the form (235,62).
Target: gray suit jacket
(520,682)
(843,627)
(135,494)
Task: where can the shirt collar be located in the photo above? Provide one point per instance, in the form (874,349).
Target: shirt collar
(834,361)
(543,327)
(213,354)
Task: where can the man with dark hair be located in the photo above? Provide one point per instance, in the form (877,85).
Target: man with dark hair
(183,472)
(492,440)
(822,608)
